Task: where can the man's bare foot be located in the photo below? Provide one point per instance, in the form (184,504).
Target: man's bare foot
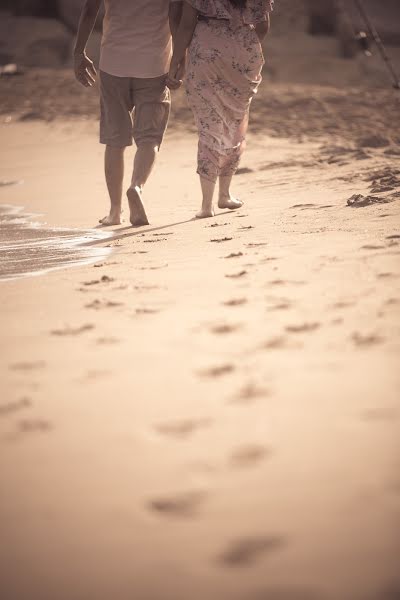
(138,216)
(205,214)
(229,202)
(111,219)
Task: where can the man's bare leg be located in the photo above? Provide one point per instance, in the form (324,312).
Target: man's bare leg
(207,189)
(142,167)
(225,199)
(114,172)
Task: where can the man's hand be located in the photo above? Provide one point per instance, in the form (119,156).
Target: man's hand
(84,68)
(176,75)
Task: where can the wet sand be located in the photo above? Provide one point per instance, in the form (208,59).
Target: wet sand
(212,412)
(28,247)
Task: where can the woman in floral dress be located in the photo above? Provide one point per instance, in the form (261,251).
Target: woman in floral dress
(223,73)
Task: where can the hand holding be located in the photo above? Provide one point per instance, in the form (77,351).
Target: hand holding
(175,75)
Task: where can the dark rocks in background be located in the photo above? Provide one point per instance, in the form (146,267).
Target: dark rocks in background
(322,17)
(67,11)
(34,41)
(341,17)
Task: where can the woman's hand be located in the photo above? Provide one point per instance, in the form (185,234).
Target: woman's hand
(176,74)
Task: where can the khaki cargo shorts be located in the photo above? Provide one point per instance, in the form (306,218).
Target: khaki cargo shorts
(133,108)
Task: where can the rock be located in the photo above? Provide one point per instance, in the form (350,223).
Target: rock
(373,141)
(35,42)
(358,200)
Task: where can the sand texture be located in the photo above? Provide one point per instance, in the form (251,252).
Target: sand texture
(212,412)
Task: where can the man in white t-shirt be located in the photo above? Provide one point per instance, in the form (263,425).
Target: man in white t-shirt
(134,100)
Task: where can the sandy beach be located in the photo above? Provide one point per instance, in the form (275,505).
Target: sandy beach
(211,411)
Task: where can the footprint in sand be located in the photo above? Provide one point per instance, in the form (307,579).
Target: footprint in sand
(280,305)
(393,237)
(217,371)
(234,255)
(392,301)
(28,365)
(163,239)
(303,328)
(372,247)
(380,414)
(181,505)
(107,341)
(94,375)
(285,282)
(157,268)
(146,288)
(104,279)
(147,311)
(99,304)
(385,275)
(34,426)
(256,244)
(105,264)
(250,393)
(343,304)
(12,407)
(235,302)
(278,282)
(221,240)
(244,170)
(236,275)
(162,234)
(244,228)
(225,328)
(312,206)
(267,259)
(246,551)
(216,225)
(337,321)
(240,216)
(183,428)
(303,206)
(366,340)
(73,330)
(249,455)
(275,343)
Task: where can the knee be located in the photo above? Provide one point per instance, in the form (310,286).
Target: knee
(115,152)
(148,147)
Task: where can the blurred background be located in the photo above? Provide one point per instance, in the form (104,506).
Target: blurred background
(312,41)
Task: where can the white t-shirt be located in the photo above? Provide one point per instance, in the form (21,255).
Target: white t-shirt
(136,38)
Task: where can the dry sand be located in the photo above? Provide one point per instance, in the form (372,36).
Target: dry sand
(213,412)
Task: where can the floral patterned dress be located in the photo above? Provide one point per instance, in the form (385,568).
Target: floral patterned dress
(225,59)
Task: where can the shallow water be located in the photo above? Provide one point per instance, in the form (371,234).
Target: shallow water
(28,247)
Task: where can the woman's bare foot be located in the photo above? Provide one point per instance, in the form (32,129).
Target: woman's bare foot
(229,202)
(205,213)
(114,218)
(138,216)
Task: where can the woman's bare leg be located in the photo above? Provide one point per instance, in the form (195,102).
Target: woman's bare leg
(207,189)
(225,198)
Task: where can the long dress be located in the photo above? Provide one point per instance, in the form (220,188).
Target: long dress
(225,60)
